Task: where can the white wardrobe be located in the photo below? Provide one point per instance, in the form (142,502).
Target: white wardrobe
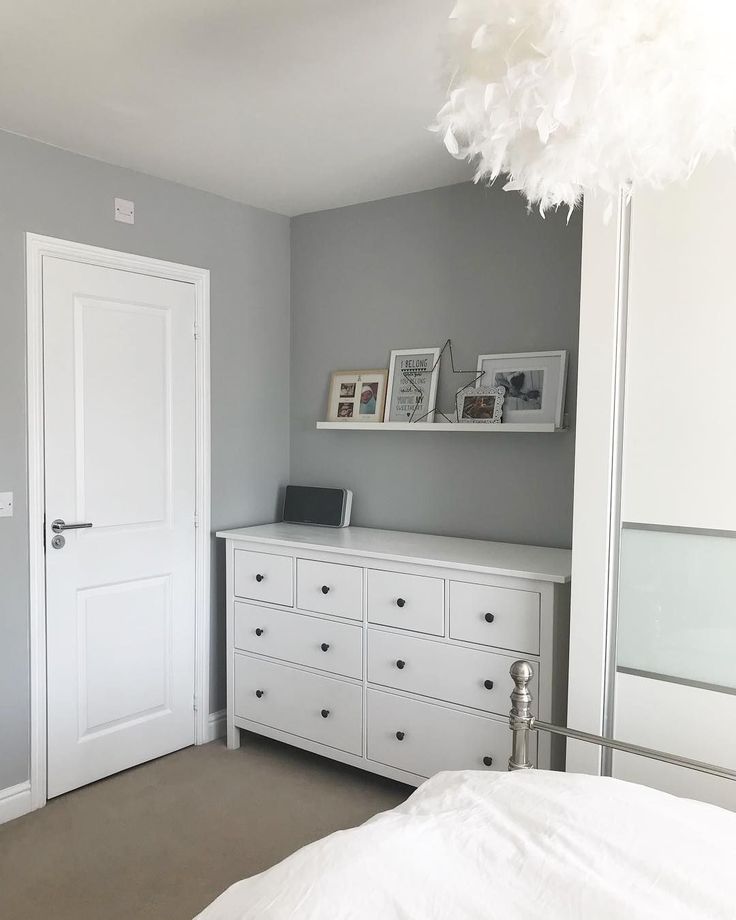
(653,615)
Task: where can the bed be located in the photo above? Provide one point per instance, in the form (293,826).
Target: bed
(524,844)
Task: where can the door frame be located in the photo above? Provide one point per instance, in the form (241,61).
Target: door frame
(598,456)
(37,248)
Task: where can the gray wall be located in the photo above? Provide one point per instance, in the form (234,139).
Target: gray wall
(465,263)
(49,191)
(462,262)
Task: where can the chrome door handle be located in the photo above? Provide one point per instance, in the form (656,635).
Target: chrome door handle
(58,526)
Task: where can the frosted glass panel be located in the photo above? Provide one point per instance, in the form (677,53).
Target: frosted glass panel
(677,605)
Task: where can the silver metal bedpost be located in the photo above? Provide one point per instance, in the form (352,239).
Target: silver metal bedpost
(521,719)
(522,722)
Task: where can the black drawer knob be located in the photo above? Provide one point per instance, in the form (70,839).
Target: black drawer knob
(400,736)
(489,618)
(259,693)
(259,631)
(259,578)
(488,684)
(400,664)
(325,646)
(325,713)
(400,602)
(325,589)
(488,761)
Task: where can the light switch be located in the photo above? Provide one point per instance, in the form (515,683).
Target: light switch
(124,211)
(6,504)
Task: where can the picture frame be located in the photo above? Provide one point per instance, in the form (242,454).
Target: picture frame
(357,396)
(535,384)
(412,384)
(480,405)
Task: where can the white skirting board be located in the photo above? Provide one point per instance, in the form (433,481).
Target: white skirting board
(15,801)
(217,725)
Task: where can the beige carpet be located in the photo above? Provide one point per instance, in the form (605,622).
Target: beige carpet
(162,840)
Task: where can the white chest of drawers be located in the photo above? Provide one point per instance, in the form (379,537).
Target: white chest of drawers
(390,651)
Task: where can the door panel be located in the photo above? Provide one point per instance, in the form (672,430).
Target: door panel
(123,389)
(119,390)
(675,606)
(675,676)
(652,631)
(679,453)
(687,720)
(124,632)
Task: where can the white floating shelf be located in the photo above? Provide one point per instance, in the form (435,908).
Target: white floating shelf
(480,428)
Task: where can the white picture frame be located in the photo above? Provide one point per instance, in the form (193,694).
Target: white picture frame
(489,400)
(346,402)
(412,385)
(535,384)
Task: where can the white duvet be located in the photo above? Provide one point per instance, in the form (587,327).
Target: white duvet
(509,846)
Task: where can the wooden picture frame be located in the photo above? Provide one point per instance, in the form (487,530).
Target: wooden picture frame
(357,396)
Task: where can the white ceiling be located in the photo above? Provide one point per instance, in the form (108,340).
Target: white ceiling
(291,105)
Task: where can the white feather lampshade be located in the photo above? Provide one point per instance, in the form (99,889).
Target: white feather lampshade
(567,97)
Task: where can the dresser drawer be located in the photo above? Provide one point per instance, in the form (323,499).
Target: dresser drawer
(424,738)
(329,587)
(502,617)
(444,672)
(264,577)
(322,709)
(414,602)
(317,643)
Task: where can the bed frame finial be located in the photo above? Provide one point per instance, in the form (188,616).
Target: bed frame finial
(521,720)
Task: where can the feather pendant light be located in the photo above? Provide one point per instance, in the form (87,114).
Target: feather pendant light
(566,97)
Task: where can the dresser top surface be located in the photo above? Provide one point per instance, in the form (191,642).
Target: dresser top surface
(538,563)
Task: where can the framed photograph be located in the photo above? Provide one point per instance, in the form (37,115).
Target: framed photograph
(357,396)
(534,384)
(480,404)
(412,385)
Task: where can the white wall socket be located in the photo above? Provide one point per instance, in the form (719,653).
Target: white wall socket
(6,504)
(124,211)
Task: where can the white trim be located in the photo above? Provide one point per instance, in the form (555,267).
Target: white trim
(623,249)
(15,801)
(36,504)
(37,247)
(217,726)
(604,284)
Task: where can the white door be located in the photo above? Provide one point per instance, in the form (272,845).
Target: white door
(119,392)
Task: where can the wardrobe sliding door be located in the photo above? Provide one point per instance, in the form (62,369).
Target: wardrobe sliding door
(653,607)
(673,587)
